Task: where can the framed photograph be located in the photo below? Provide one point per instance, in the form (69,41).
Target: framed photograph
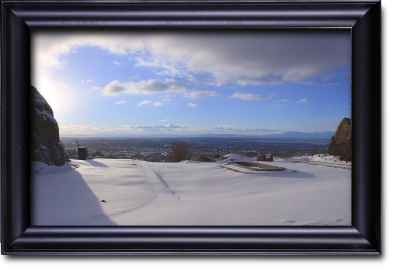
(191,128)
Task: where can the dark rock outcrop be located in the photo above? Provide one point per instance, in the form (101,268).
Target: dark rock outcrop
(341,142)
(45,144)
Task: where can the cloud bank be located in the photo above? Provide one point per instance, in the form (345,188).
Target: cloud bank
(248,58)
(144,102)
(197,94)
(120,102)
(146,87)
(303,100)
(248,96)
(169,129)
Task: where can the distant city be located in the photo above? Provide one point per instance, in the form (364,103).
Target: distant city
(159,149)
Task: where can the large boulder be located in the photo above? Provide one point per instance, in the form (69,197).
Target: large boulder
(45,144)
(341,142)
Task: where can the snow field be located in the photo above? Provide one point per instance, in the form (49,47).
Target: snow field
(189,193)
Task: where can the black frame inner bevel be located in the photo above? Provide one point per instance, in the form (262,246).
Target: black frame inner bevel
(361,17)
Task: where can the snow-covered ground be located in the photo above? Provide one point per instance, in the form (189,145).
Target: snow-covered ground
(188,193)
(323,158)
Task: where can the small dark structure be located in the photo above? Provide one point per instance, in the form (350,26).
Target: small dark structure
(264,157)
(82,153)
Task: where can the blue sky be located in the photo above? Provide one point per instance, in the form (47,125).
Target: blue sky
(190,83)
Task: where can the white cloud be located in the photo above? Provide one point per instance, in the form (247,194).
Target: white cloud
(282,100)
(248,96)
(242,58)
(87,81)
(144,87)
(165,120)
(49,47)
(116,63)
(97,88)
(144,102)
(120,102)
(158,104)
(303,100)
(196,94)
(192,104)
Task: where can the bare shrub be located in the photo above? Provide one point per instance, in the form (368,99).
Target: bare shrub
(179,151)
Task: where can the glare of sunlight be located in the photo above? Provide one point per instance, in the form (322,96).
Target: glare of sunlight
(50,92)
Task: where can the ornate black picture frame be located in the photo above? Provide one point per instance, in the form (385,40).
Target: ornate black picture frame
(363,237)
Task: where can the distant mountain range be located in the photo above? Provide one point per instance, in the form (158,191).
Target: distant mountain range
(217,135)
(286,134)
(303,134)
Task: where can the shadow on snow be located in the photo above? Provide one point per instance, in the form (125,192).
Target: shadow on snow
(66,201)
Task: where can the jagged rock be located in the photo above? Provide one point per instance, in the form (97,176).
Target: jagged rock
(341,142)
(45,144)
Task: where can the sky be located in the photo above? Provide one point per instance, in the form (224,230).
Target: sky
(170,83)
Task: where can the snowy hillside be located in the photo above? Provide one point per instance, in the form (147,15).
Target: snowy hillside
(132,192)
